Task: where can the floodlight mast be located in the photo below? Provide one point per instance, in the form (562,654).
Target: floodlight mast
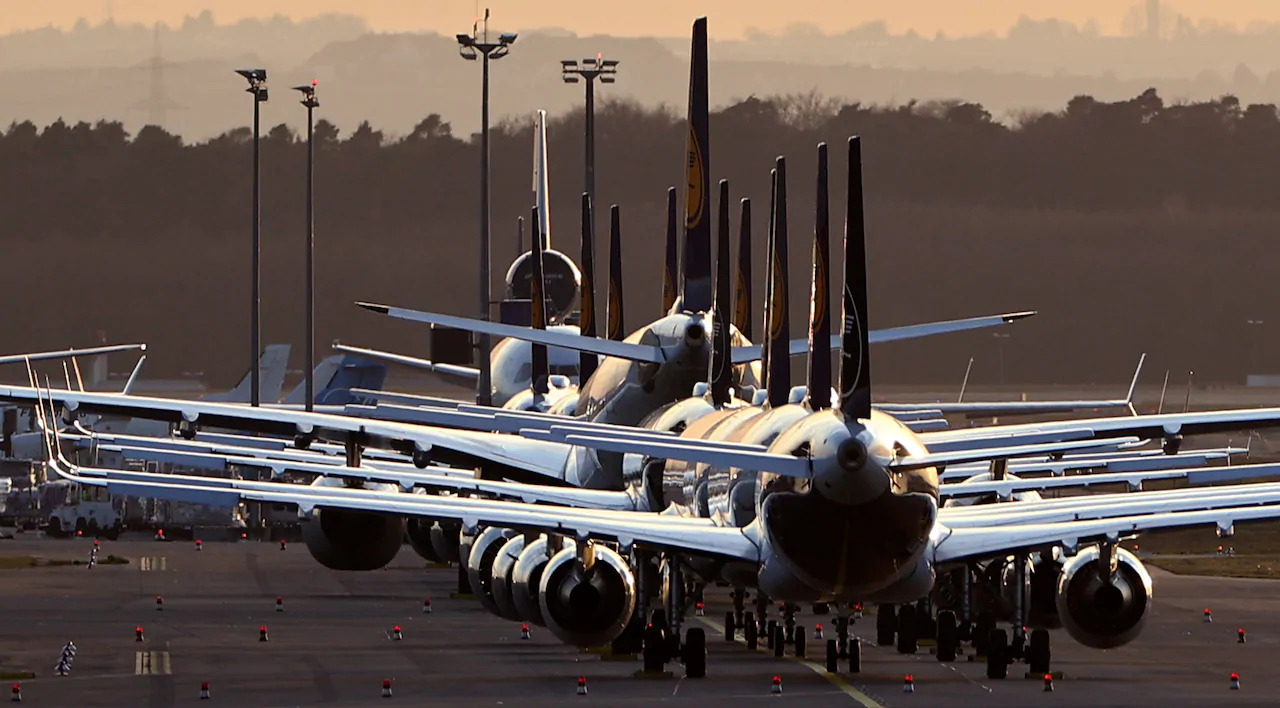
(473,46)
(309,100)
(589,70)
(257,79)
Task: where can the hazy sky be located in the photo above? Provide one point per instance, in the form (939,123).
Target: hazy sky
(728,18)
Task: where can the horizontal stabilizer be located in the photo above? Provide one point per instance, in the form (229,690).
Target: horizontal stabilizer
(69,353)
(469,373)
(939,459)
(742,355)
(564,340)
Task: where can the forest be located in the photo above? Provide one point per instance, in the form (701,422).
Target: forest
(1138,225)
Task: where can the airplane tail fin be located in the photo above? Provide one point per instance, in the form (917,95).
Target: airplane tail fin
(587,362)
(672,263)
(855,349)
(541,373)
(696,290)
(271,370)
(742,293)
(541,190)
(614,313)
(335,378)
(819,383)
(133,377)
(766,339)
(779,318)
(721,355)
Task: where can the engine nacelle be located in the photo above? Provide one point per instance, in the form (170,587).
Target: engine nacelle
(587,595)
(418,531)
(500,585)
(526,577)
(445,540)
(484,551)
(1098,613)
(353,540)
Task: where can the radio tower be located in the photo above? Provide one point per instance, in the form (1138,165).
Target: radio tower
(157,102)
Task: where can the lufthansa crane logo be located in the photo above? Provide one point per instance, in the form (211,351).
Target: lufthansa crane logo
(778,301)
(696,197)
(741,306)
(615,314)
(819,287)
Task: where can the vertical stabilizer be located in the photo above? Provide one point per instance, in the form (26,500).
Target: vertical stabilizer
(855,350)
(616,324)
(671,264)
(541,191)
(766,341)
(742,292)
(271,370)
(779,317)
(541,371)
(721,367)
(696,290)
(587,319)
(819,382)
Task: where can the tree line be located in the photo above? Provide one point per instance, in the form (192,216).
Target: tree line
(1123,217)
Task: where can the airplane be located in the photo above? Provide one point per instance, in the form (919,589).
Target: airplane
(846,510)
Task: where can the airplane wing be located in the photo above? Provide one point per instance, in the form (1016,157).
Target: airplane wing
(576,342)
(543,459)
(742,355)
(465,373)
(1006,488)
(658,531)
(1159,425)
(69,353)
(1147,461)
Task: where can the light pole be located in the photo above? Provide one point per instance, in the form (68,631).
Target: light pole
(589,70)
(1253,346)
(309,100)
(1000,340)
(473,46)
(257,79)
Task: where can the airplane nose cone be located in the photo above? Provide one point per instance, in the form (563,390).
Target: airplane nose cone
(851,455)
(695,334)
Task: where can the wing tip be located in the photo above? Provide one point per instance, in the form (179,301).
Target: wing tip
(1015,316)
(375,307)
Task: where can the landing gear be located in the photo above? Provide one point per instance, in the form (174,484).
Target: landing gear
(997,654)
(907,627)
(947,636)
(771,633)
(654,653)
(1038,654)
(855,655)
(982,632)
(886,624)
(750,631)
(695,653)
(833,656)
(779,642)
(800,642)
(730,632)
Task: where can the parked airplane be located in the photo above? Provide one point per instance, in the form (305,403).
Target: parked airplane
(846,510)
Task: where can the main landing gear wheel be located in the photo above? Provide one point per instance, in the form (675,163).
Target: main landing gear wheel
(998,654)
(730,632)
(833,657)
(655,648)
(907,638)
(1038,654)
(779,641)
(947,636)
(855,655)
(695,653)
(800,642)
(886,625)
(771,633)
(750,631)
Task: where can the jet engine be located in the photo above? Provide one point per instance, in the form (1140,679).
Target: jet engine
(587,595)
(445,540)
(341,539)
(484,550)
(1100,607)
(526,577)
(500,584)
(418,531)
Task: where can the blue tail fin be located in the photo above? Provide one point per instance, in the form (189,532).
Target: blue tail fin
(337,375)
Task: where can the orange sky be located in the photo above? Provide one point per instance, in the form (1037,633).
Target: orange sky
(729,18)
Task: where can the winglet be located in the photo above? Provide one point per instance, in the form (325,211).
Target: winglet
(1133,385)
(374,307)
